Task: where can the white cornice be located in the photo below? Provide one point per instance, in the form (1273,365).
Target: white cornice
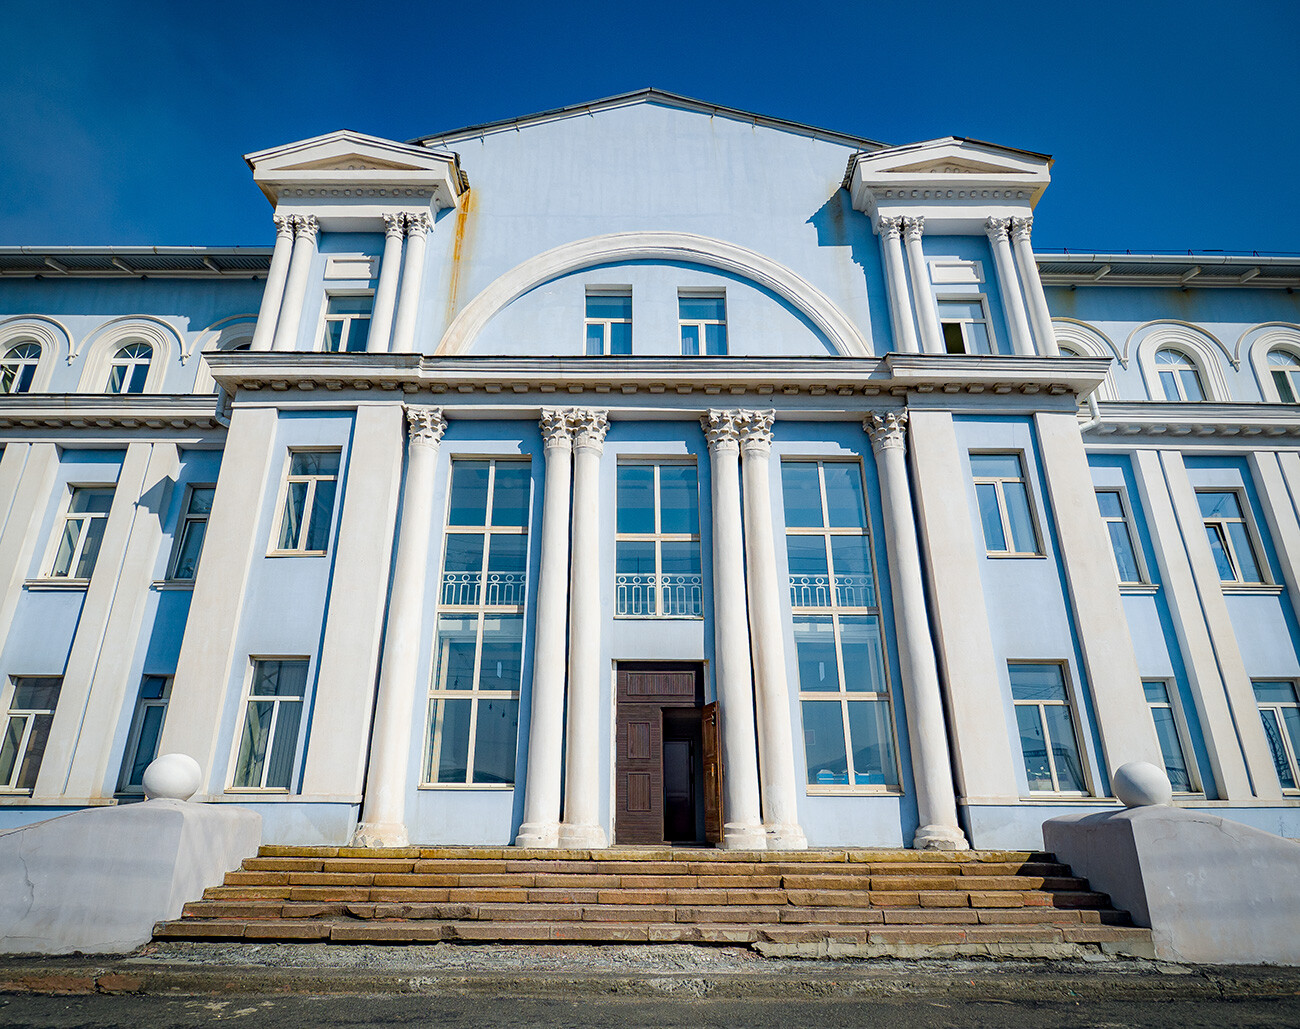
(162,413)
(1197,420)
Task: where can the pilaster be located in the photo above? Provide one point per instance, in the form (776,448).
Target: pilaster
(390,267)
(268,315)
(1012,302)
(305,228)
(1040,316)
(900,310)
(927,313)
(408,305)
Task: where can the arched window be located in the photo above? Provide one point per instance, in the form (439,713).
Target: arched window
(129,368)
(1284,366)
(19,367)
(1179,376)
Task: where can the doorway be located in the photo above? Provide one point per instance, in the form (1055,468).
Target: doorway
(665,789)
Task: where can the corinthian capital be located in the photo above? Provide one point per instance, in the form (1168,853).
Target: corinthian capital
(887,430)
(912,228)
(889,228)
(418,224)
(425,425)
(283,226)
(556,428)
(722,429)
(394,225)
(997,229)
(1020,228)
(756,430)
(305,226)
(589,427)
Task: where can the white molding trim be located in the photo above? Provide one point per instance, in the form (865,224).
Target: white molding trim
(1195,343)
(1089,342)
(50,334)
(225,334)
(1173,324)
(684,247)
(1276,336)
(104,342)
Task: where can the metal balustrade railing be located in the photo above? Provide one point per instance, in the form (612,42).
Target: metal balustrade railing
(649,595)
(498,589)
(815,591)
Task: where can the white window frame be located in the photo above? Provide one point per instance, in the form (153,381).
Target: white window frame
(1130,527)
(347,318)
(438,695)
(12,367)
(1070,703)
(658,538)
(1189,364)
(129,364)
(247,698)
(1174,705)
(1284,375)
(700,323)
(304,529)
(605,323)
(986,321)
(182,530)
(1276,707)
(1252,535)
(142,706)
(997,482)
(66,515)
(30,714)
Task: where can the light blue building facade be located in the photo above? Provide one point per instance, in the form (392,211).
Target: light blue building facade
(649,471)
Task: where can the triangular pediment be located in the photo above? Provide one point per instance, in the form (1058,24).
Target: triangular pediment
(953,155)
(956,166)
(345,151)
(351,162)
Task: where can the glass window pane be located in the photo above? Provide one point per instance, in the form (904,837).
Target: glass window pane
(1155,692)
(1125,558)
(1219,548)
(147,748)
(469,490)
(995,539)
(503,644)
(960,309)
(1169,383)
(451,729)
(510,493)
(702,308)
(679,499)
(715,340)
(1037,683)
(1285,386)
(864,658)
(333,336)
(201,499)
(1245,553)
(852,564)
(801,489)
(873,744)
(1192,388)
(681,578)
(1171,749)
(609,306)
(809,577)
(844,502)
(13,736)
(36,693)
(36,741)
(507,553)
(495,735)
(67,544)
(315,462)
(977,338)
(636,498)
(92,538)
(823,735)
(634,575)
(1022,525)
(350,305)
(91,501)
(1273,732)
(464,552)
(1275,692)
(279,770)
(1291,718)
(680,558)
(116,378)
(1218,504)
(1065,752)
(454,652)
(620,338)
(252,746)
(634,557)
(1109,503)
(814,644)
(595,339)
(358,333)
(155,687)
(322,514)
(187,555)
(1034,748)
(690,340)
(996,466)
(295,499)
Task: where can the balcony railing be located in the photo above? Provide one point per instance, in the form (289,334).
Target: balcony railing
(648,595)
(815,591)
(498,589)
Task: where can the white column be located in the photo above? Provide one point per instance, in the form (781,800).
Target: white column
(742,824)
(581,827)
(900,311)
(408,306)
(295,294)
(777,772)
(1012,302)
(541,820)
(273,293)
(922,295)
(1040,316)
(936,800)
(381,319)
(383,813)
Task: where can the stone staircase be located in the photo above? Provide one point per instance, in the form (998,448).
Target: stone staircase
(811,903)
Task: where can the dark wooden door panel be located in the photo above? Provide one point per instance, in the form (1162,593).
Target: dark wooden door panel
(638,775)
(712,786)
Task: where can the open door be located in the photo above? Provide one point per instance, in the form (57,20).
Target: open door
(712,748)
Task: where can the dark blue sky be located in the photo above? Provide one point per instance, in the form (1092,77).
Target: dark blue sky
(1173,124)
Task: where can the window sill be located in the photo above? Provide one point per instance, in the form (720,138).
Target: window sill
(298,553)
(172,584)
(252,791)
(1069,798)
(1247,589)
(853,791)
(1139,589)
(57,585)
(494,786)
(1003,555)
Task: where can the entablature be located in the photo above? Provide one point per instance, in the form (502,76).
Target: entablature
(1195,420)
(165,413)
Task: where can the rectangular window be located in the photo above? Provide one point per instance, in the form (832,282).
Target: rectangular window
(704,325)
(1230,536)
(844,697)
(1161,698)
(1005,511)
(478,648)
(1047,735)
(193,527)
(146,728)
(27,728)
(657,549)
(308,501)
(269,743)
(1119,526)
(82,532)
(965,324)
(347,322)
(609,324)
(1280,710)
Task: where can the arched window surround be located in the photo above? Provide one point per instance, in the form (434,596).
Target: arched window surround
(1276,336)
(103,344)
(1199,347)
(228,334)
(1090,342)
(52,337)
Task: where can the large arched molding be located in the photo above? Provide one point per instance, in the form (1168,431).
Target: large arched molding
(1204,349)
(1258,341)
(226,334)
(54,340)
(105,341)
(1088,341)
(681,247)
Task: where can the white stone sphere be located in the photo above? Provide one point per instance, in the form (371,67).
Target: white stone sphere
(172,777)
(1142,784)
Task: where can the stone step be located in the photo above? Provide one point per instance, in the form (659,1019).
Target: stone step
(645,854)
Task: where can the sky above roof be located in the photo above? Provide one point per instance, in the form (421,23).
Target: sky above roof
(1172,123)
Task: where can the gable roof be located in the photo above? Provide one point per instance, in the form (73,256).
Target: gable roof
(644,96)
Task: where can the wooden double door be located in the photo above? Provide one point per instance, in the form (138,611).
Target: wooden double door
(667,766)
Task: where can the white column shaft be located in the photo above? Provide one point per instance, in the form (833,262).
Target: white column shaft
(541,820)
(1031,283)
(295,294)
(390,267)
(408,305)
(927,314)
(900,309)
(1013,302)
(273,293)
(383,814)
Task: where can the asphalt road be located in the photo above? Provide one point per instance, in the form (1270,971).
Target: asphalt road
(291,1012)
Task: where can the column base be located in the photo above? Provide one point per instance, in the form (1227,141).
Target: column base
(786,836)
(538,834)
(939,837)
(743,837)
(581,837)
(380,834)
